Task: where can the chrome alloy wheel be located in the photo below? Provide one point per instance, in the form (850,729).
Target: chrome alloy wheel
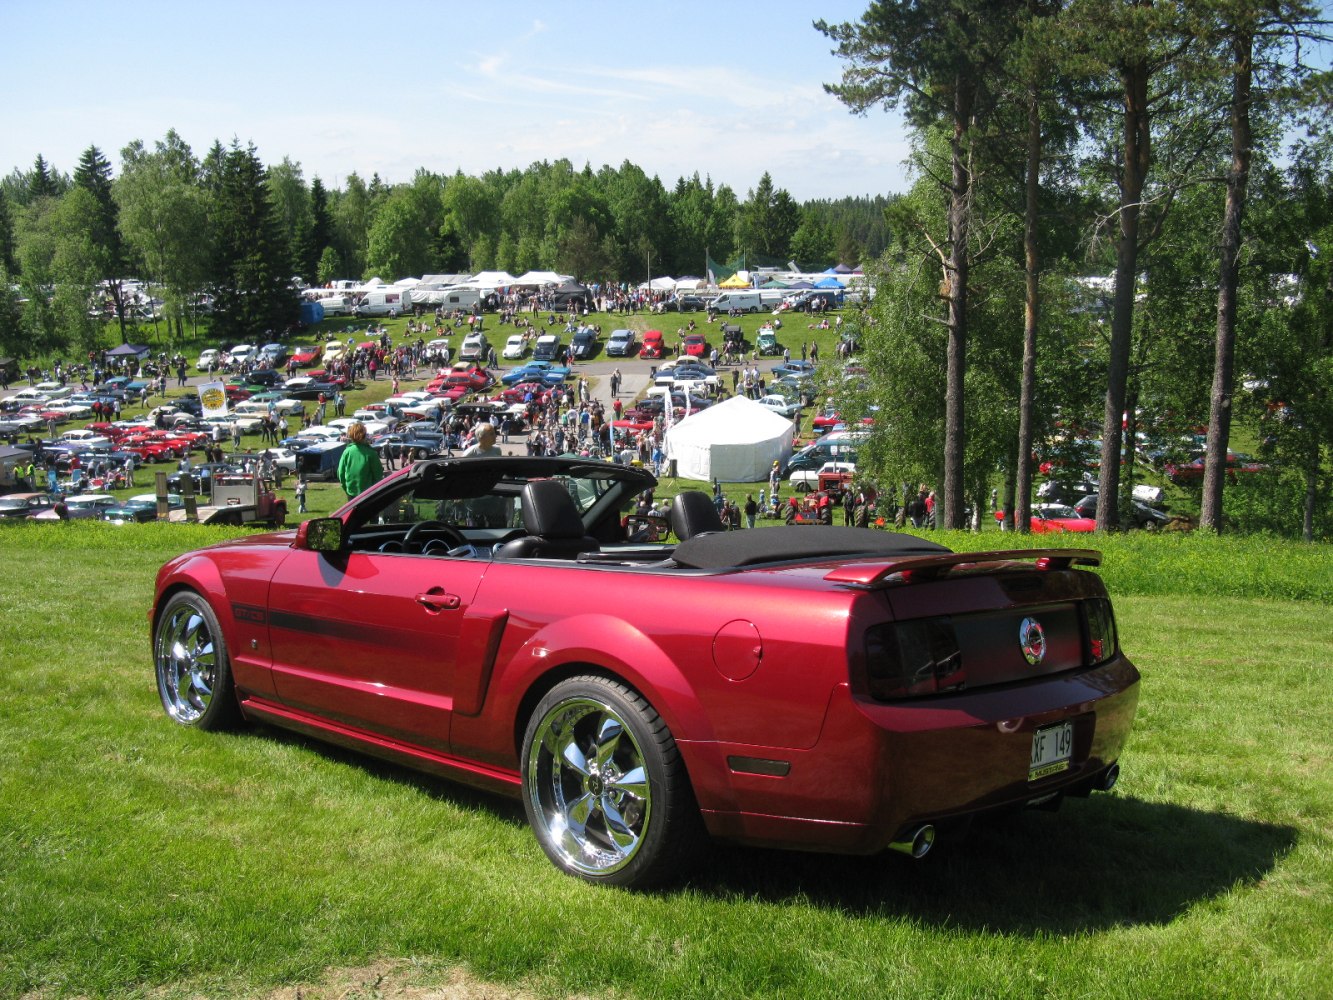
(588,786)
(187,663)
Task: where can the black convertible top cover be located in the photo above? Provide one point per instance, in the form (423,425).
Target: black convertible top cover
(723,549)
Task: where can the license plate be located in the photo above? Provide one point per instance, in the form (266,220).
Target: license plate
(1052,748)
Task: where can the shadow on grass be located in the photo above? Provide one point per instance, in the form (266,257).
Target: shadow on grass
(509,810)
(1103,862)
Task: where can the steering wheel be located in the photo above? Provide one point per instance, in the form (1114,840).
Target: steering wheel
(437,528)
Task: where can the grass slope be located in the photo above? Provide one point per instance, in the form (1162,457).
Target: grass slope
(138,858)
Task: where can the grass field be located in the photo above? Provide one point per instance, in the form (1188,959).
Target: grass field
(140,859)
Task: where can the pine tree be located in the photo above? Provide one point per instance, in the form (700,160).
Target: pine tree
(254,298)
(93,174)
(40,182)
(8,251)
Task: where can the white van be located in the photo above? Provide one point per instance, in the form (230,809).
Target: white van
(746,302)
(334,305)
(383,303)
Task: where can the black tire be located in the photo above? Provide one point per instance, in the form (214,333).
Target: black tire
(604,786)
(192,665)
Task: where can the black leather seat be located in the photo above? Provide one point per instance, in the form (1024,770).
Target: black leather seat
(553,525)
(693,513)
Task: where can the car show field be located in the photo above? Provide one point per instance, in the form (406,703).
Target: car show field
(1198,867)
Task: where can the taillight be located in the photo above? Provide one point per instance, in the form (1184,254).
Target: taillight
(913,658)
(1102,642)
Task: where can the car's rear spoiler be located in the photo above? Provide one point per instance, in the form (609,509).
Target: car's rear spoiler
(914,569)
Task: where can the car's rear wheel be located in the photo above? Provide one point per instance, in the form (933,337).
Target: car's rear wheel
(604,786)
(193,669)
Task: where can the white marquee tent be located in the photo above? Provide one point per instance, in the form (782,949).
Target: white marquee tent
(537,279)
(735,441)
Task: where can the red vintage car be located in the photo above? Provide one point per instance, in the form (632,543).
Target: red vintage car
(304,357)
(1054,518)
(151,449)
(519,393)
(652,345)
(490,620)
(1190,471)
(337,380)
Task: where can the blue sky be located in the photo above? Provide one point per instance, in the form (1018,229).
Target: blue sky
(725,89)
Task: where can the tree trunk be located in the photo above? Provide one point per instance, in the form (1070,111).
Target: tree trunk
(1022,512)
(1010,485)
(1131,439)
(960,195)
(1219,413)
(1311,491)
(1137,157)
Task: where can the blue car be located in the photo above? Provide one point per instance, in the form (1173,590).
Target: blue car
(546,372)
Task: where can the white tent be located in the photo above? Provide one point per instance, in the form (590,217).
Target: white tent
(736,441)
(662,284)
(537,279)
(491,280)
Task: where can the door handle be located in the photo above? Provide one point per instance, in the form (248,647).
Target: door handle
(436,600)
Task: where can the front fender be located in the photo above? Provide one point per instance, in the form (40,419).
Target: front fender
(246,598)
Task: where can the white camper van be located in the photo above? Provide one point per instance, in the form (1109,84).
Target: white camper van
(746,302)
(334,305)
(387,303)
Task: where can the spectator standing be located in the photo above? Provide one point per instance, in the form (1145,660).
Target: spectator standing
(359,468)
(485,446)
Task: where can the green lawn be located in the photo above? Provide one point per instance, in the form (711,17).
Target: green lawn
(138,858)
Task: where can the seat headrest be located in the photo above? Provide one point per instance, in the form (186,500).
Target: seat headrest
(694,513)
(549,510)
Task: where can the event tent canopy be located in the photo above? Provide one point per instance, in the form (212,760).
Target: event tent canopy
(139,351)
(735,441)
(538,279)
(492,280)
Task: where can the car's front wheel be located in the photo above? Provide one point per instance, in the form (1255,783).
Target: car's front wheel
(604,787)
(193,670)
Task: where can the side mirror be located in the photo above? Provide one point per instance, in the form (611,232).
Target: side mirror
(321,534)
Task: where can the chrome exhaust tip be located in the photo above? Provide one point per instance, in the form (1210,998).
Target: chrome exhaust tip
(1109,778)
(917,843)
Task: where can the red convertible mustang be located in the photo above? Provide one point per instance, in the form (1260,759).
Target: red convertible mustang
(493,620)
